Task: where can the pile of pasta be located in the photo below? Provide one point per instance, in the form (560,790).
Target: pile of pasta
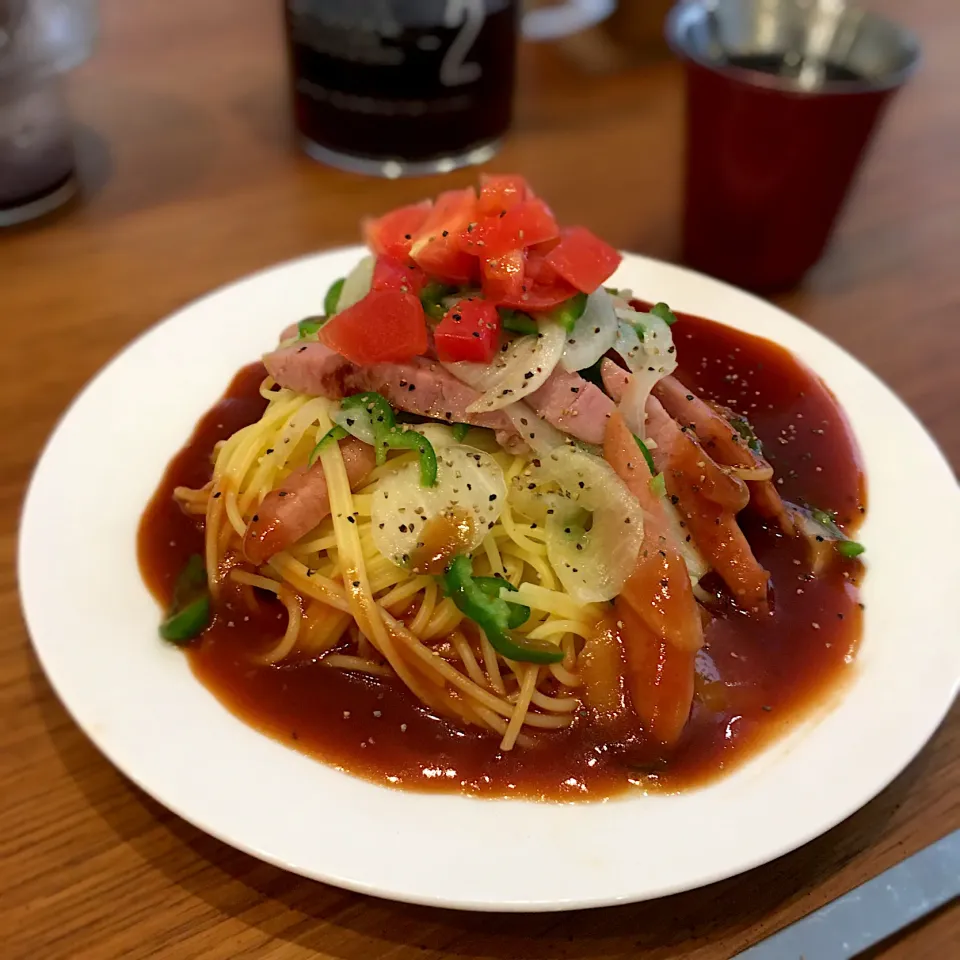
(351,608)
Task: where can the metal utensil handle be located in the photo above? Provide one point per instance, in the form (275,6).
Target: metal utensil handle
(873,911)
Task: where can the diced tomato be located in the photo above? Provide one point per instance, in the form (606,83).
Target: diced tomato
(386,325)
(503,276)
(469,330)
(393,233)
(435,246)
(500,191)
(390,274)
(583,259)
(523,225)
(541,296)
(536,269)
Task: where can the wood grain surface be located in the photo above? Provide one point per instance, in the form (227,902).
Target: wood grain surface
(190,179)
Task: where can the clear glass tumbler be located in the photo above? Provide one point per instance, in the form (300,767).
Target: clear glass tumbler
(40,40)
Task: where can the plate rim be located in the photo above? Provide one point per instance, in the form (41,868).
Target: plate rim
(46,656)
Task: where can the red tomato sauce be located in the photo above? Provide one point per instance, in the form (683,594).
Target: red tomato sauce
(754,677)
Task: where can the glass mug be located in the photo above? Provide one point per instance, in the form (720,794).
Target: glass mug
(409,87)
(40,41)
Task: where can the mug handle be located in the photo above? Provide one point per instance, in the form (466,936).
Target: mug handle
(551,23)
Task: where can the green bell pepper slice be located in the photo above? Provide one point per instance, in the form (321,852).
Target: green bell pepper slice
(481,602)
(190,613)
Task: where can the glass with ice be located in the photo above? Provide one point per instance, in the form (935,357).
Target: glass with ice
(40,40)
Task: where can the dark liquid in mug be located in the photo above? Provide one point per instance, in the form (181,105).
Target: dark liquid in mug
(777,66)
(386,89)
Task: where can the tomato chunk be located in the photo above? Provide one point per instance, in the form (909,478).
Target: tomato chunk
(392,234)
(503,276)
(536,268)
(500,191)
(386,325)
(541,296)
(583,259)
(523,225)
(390,274)
(469,330)
(435,246)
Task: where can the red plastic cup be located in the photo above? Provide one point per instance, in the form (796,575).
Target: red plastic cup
(783,97)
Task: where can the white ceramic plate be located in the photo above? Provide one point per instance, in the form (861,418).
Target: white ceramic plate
(95,630)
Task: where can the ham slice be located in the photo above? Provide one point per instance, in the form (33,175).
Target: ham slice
(712,523)
(725,445)
(573,405)
(423,387)
(659,588)
(300,502)
(707,498)
(661,629)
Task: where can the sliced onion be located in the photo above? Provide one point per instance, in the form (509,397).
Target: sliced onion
(649,360)
(515,372)
(358,422)
(593,564)
(468,481)
(592,335)
(755,474)
(540,436)
(357,285)
(820,541)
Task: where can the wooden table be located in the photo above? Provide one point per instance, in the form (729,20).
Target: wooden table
(190,180)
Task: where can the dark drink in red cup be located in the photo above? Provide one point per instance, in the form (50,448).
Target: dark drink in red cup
(783,97)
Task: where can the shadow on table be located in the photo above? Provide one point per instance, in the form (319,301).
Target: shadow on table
(731,911)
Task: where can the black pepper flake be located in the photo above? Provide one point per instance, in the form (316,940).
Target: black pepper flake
(492,497)
(282,493)
(356,583)
(255,517)
(445,233)
(351,520)
(766,708)
(216,496)
(302,349)
(407,236)
(689,395)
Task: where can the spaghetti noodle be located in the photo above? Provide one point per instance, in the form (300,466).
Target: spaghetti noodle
(333,578)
